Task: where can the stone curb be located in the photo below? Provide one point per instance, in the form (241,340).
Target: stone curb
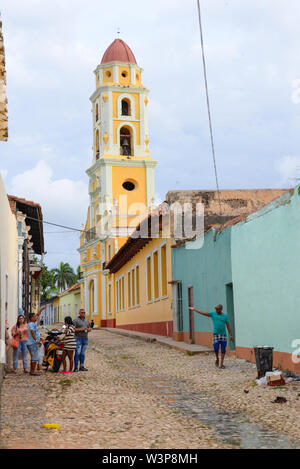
(130,334)
(190,349)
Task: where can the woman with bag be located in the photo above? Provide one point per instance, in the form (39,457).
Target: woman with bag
(19,334)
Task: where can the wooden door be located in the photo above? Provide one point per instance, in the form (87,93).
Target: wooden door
(230,313)
(191,313)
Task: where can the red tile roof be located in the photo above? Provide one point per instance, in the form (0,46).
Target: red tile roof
(12,198)
(34,219)
(118,51)
(76,286)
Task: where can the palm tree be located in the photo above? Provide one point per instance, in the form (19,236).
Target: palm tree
(78,273)
(64,276)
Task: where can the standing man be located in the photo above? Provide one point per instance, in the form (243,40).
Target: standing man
(220,321)
(34,341)
(82,328)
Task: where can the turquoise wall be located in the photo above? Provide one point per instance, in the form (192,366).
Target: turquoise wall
(266,275)
(208,269)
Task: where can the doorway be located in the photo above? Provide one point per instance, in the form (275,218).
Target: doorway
(191,314)
(230,313)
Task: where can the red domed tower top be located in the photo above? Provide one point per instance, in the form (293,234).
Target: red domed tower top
(118,51)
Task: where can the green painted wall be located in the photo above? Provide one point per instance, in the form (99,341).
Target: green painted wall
(266,275)
(69,305)
(208,269)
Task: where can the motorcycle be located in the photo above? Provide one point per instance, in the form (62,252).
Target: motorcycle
(53,350)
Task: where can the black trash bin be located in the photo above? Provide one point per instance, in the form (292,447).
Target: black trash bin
(264,360)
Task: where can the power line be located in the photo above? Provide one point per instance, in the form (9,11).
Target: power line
(55,224)
(69,253)
(57,232)
(207,101)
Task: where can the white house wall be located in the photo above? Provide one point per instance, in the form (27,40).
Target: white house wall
(8,266)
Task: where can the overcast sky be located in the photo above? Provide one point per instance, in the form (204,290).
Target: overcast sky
(253,65)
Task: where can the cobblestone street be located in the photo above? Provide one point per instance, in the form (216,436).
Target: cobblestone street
(143,395)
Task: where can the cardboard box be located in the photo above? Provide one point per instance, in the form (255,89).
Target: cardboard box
(276,380)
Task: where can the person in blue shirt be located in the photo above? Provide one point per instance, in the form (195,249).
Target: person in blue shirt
(34,341)
(220,322)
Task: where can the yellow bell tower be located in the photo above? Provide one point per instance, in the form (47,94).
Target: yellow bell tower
(121,178)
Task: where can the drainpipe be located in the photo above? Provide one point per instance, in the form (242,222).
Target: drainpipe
(216,229)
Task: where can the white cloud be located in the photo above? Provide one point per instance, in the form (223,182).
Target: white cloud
(253,68)
(296,91)
(62,200)
(164,118)
(21,72)
(3,173)
(73,55)
(289,169)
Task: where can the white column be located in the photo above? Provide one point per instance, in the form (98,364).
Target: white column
(106,183)
(110,122)
(95,312)
(133,70)
(150,182)
(20,272)
(85,295)
(116,73)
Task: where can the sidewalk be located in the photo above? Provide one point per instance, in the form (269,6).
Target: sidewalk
(190,349)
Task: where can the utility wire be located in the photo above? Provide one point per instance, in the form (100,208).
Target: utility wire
(55,224)
(57,232)
(208,105)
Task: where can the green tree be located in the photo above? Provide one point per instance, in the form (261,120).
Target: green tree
(64,276)
(46,283)
(78,272)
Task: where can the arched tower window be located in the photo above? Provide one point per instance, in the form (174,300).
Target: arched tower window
(126,107)
(97,112)
(92,297)
(97,144)
(126,141)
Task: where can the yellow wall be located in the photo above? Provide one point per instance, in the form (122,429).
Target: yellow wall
(97,295)
(136,99)
(72,299)
(124,80)
(136,125)
(138,78)
(137,196)
(120,174)
(56,308)
(108,79)
(155,311)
